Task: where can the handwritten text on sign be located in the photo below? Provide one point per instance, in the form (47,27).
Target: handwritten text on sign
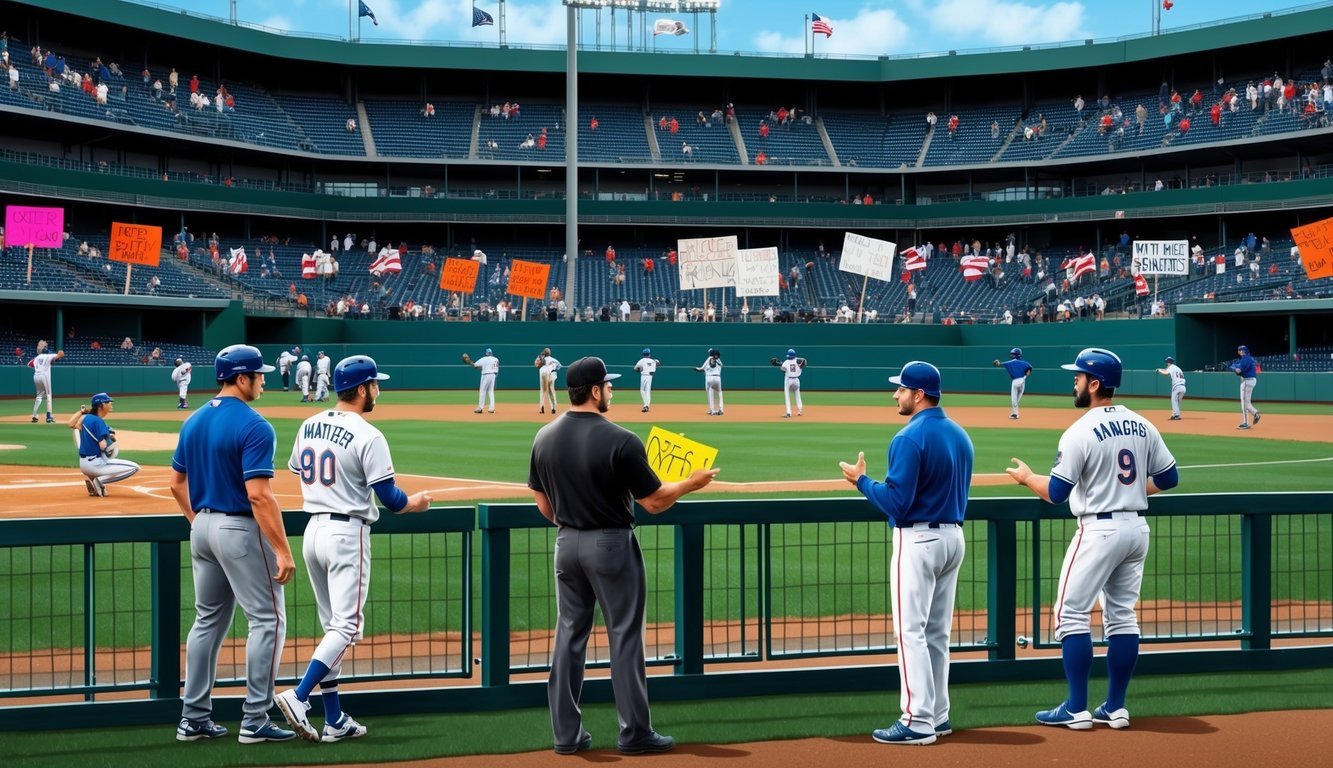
(867,256)
(42,227)
(1315,242)
(757,272)
(528,278)
(673,457)
(459,275)
(707,262)
(1161,257)
(135,244)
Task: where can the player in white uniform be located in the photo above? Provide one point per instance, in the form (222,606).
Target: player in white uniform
(1177,377)
(1108,464)
(712,371)
(41,380)
(646,367)
(546,375)
(286,359)
(489,365)
(303,373)
(322,365)
(1018,370)
(791,372)
(181,376)
(340,458)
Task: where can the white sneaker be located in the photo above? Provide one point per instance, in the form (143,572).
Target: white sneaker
(296,711)
(348,729)
(1117,719)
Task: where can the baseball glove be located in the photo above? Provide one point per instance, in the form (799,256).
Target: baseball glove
(538,362)
(773,361)
(467,358)
(85,409)
(111,450)
(801,361)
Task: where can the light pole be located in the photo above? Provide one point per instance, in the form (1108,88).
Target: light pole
(572,8)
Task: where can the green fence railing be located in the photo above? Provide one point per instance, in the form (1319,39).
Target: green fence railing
(102,606)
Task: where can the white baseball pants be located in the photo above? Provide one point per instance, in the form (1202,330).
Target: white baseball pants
(713,386)
(183,388)
(487,388)
(924,568)
(1247,408)
(790,389)
(548,389)
(1016,388)
(303,383)
(1177,395)
(321,386)
(337,557)
(107,470)
(1104,562)
(646,389)
(42,383)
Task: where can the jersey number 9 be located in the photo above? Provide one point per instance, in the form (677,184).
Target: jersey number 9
(326,470)
(1128,472)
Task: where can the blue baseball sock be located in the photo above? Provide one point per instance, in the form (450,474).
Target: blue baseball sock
(333,713)
(1122,653)
(1076,651)
(313,675)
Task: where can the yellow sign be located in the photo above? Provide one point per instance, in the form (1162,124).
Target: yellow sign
(673,457)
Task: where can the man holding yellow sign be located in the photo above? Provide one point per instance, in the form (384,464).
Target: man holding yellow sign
(597,558)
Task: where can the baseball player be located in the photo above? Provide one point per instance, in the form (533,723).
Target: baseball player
(547,366)
(340,458)
(1109,462)
(303,371)
(1018,370)
(1244,367)
(924,495)
(322,365)
(1177,377)
(41,379)
(220,478)
(646,367)
(99,455)
(791,372)
(181,376)
(489,365)
(712,371)
(286,359)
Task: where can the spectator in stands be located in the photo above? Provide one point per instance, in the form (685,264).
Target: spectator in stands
(619,277)
(686,150)
(1184,126)
(127,344)
(673,125)
(931,120)
(1078,106)
(995,129)
(593,123)
(648,266)
(156,356)
(953,126)
(763,128)
(153,284)
(541,139)
(428,110)
(528,143)
(350,125)
(761,158)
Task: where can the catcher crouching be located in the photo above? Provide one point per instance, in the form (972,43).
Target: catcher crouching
(98,452)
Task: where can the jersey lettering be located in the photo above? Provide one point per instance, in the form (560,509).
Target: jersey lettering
(317,430)
(1124,428)
(1128,471)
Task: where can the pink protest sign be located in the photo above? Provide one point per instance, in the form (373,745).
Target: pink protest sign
(42,227)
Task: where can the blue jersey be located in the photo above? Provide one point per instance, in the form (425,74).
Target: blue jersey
(1017,368)
(1245,367)
(930,467)
(93,431)
(222,445)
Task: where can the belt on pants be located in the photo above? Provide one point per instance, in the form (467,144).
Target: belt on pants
(341,518)
(1111,515)
(930,525)
(207,511)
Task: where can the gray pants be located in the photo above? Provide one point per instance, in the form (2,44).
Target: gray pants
(233,563)
(603,568)
(1177,395)
(1247,408)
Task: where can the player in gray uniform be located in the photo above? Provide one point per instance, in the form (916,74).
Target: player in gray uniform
(546,375)
(220,478)
(303,375)
(647,366)
(1018,370)
(341,458)
(1109,462)
(322,365)
(41,380)
(489,365)
(1177,377)
(712,371)
(181,376)
(791,369)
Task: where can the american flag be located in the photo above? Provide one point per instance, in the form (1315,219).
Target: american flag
(974,267)
(912,260)
(308,266)
(387,261)
(820,27)
(1141,285)
(237,261)
(1084,264)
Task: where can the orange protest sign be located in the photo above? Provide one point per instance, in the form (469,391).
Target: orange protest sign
(135,244)
(1315,242)
(528,279)
(459,275)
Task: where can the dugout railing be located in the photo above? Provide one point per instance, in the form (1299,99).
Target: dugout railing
(745,597)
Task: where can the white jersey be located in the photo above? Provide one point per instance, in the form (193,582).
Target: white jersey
(550,366)
(487,364)
(41,364)
(791,368)
(285,360)
(1177,375)
(1108,456)
(338,455)
(712,367)
(181,373)
(322,366)
(646,367)
(303,369)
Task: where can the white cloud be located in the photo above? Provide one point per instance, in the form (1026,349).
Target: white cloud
(535,22)
(872,31)
(279,22)
(987,23)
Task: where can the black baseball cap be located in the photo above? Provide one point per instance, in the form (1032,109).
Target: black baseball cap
(587,371)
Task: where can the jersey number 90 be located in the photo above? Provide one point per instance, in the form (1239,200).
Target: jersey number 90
(1127,472)
(325,469)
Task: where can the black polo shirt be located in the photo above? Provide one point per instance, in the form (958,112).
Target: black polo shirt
(592,470)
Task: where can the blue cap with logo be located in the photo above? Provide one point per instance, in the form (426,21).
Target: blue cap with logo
(354,371)
(647,352)
(239,358)
(919,375)
(488,350)
(791,353)
(102,397)
(1101,364)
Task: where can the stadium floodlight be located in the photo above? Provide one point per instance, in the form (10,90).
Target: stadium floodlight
(587,3)
(699,5)
(662,5)
(630,4)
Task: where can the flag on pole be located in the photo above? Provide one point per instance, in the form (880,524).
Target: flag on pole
(481,18)
(820,27)
(974,267)
(237,262)
(1140,285)
(1084,264)
(365,11)
(308,265)
(669,27)
(912,260)
(387,261)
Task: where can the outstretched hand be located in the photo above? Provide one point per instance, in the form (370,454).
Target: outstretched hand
(853,472)
(700,478)
(417,502)
(1020,473)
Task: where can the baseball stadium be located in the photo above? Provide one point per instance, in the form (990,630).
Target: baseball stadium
(186,194)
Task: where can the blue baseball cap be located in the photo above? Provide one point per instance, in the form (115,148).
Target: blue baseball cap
(239,358)
(919,375)
(1243,348)
(354,371)
(791,353)
(102,397)
(647,352)
(488,350)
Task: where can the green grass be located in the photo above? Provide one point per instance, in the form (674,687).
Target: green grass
(713,721)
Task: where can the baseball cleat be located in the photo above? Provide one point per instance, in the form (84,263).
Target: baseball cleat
(1013,416)
(1117,718)
(1174,418)
(92,491)
(1256,418)
(584,743)
(492,410)
(194,731)
(719,412)
(643,409)
(266,732)
(50,420)
(1242,426)
(478,410)
(542,409)
(786,415)
(34,419)
(553,410)
(655,742)
(944,729)
(297,714)
(1078,721)
(99,487)
(901,734)
(347,729)
(712,413)
(800,413)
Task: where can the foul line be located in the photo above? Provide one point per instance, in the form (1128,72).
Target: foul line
(1258,463)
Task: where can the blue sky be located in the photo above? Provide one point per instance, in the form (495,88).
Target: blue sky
(867,27)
